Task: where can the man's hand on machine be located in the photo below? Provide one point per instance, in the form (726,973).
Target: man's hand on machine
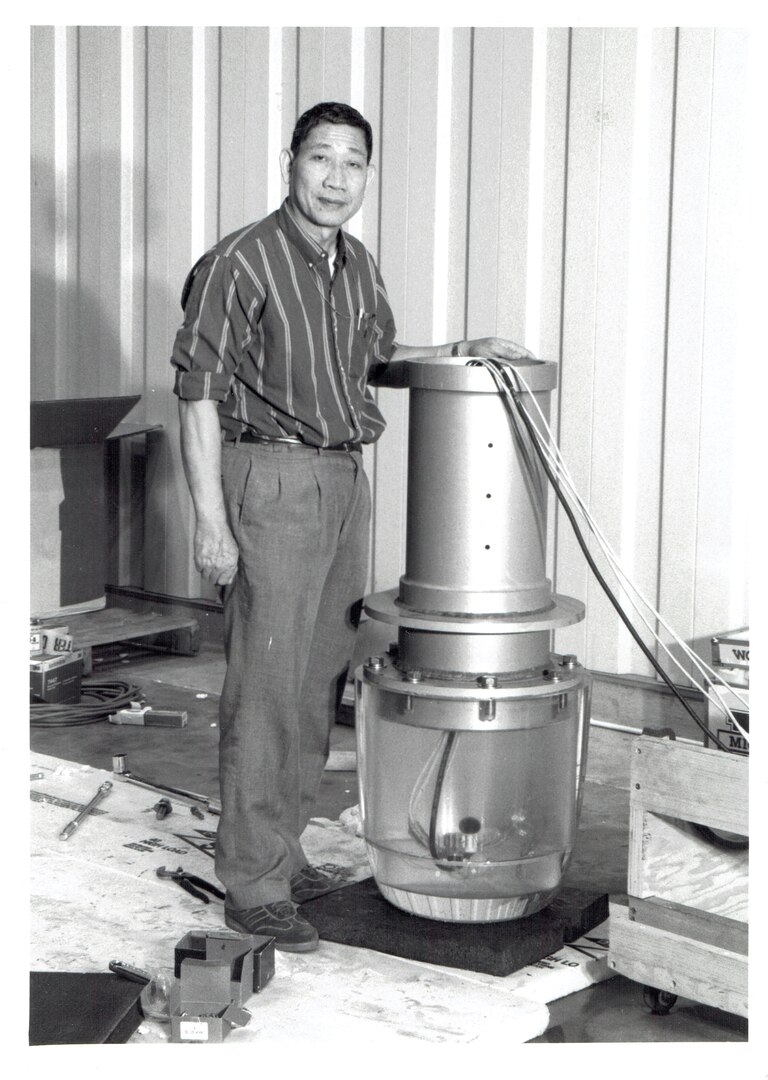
(216,553)
(493,348)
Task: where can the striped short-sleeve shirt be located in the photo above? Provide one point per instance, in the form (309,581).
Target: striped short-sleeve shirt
(285,346)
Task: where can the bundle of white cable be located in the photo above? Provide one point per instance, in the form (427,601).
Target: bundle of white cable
(551,450)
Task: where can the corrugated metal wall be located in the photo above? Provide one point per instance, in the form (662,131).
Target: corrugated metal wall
(577,190)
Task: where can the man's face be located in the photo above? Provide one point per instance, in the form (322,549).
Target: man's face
(327,178)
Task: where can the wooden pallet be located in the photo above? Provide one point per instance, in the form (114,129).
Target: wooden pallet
(683,926)
(170,633)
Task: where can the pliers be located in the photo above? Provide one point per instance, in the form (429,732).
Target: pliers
(191,883)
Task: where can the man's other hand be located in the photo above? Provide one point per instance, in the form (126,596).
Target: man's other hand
(493,348)
(216,553)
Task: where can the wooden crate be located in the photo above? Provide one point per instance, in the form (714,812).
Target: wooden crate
(683,926)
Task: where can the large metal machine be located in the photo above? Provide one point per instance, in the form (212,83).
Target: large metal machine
(471,733)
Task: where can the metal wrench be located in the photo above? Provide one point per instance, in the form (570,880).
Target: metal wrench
(191,798)
(67,831)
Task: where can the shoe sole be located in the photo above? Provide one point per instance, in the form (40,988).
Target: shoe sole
(281,946)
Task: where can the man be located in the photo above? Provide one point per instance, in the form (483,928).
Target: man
(285,323)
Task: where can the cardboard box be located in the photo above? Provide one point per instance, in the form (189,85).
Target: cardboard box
(730,656)
(250,956)
(56,679)
(68,502)
(216,971)
(720,725)
(202,1008)
(731,650)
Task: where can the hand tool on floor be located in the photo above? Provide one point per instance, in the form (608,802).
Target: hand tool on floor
(67,831)
(191,883)
(146,716)
(191,798)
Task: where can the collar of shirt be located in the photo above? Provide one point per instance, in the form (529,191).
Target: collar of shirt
(309,248)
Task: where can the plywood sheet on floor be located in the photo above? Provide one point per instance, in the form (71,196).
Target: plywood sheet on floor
(96,897)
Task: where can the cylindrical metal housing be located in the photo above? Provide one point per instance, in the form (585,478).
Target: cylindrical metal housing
(476,528)
(491,653)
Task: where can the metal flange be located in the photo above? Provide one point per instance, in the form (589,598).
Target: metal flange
(385,606)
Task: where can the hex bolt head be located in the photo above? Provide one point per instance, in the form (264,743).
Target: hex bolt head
(570,660)
(486,681)
(413,676)
(374,663)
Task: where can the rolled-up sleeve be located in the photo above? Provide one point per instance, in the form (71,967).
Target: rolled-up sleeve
(209,344)
(384,331)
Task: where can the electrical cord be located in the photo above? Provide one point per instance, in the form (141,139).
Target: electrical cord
(107,697)
(513,394)
(438,794)
(712,694)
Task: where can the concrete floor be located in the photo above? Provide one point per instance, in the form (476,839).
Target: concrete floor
(610,1012)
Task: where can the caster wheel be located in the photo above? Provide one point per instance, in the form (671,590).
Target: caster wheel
(658,1001)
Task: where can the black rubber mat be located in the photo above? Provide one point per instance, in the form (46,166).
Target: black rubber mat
(359,915)
(82,1007)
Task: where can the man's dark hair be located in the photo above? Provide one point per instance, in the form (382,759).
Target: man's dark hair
(331,112)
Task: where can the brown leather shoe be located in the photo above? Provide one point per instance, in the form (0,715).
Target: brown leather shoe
(281,921)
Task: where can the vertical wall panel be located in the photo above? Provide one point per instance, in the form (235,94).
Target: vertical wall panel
(726,501)
(554,196)
(578,188)
(580,261)
(457,225)
(324,65)
(606,449)
(499,182)
(97,354)
(408,155)
(643,389)
(687,298)
(44,332)
(243,126)
(367,66)
(514,165)
(169,189)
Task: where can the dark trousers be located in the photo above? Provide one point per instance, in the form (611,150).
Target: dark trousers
(301,521)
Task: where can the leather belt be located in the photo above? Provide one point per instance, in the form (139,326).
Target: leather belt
(289,442)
